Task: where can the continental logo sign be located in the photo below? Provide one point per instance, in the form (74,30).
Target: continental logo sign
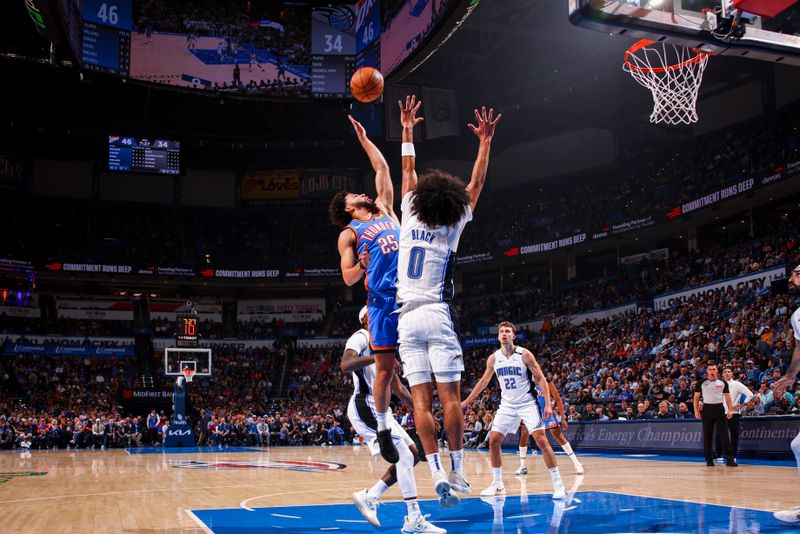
(271,185)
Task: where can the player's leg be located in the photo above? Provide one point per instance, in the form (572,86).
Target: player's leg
(422,394)
(562,440)
(532,420)
(450,398)
(496,461)
(505,421)
(382,323)
(524,436)
(447,362)
(550,461)
(792,515)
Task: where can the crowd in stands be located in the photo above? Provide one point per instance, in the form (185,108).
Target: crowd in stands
(645,186)
(639,365)
(269,237)
(528,298)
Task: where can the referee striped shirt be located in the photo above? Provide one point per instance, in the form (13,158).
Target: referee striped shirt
(712,391)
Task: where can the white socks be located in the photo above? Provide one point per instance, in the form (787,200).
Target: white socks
(434,462)
(497,476)
(555,476)
(523,451)
(376,491)
(412,507)
(457,461)
(383,420)
(568,449)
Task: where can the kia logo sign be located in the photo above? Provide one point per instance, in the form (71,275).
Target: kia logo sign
(187,432)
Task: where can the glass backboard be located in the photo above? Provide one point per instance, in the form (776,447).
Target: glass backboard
(702,24)
(176,359)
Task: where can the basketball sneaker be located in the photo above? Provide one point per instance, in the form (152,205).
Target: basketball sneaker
(496,488)
(792,515)
(447,499)
(459,483)
(521,471)
(559,493)
(367,506)
(420,525)
(386,443)
(579,470)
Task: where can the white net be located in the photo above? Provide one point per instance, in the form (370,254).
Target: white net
(673,74)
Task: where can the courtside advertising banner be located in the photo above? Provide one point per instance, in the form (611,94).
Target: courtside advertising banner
(271,185)
(679,297)
(757,434)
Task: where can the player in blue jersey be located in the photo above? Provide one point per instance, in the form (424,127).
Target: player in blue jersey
(368,246)
(555,423)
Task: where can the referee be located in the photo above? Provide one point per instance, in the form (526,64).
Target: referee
(713,392)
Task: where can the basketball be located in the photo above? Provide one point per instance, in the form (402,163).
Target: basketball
(366,84)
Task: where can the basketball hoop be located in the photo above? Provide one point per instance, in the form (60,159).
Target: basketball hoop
(672,73)
(188,373)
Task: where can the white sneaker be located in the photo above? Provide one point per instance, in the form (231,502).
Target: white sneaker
(521,471)
(447,498)
(579,470)
(559,493)
(459,483)
(367,506)
(494,489)
(792,515)
(421,525)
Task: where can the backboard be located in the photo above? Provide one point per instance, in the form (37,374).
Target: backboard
(702,24)
(175,359)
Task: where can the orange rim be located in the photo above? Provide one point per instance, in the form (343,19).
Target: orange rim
(647,42)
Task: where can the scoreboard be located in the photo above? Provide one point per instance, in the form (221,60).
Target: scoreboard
(333,50)
(158,156)
(106,43)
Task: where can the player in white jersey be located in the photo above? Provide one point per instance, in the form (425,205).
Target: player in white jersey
(792,515)
(358,360)
(517,371)
(435,209)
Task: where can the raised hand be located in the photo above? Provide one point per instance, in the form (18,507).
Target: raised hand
(408,111)
(485,123)
(358,127)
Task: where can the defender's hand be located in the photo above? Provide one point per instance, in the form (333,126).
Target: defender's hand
(485,124)
(408,112)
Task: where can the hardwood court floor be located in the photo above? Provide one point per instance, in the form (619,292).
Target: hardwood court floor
(115,491)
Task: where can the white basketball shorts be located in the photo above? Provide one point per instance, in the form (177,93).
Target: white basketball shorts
(507,418)
(361,412)
(428,341)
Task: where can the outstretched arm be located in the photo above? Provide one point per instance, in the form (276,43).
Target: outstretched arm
(482,383)
(383,180)
(409,119)
(485,131)
(401,391)
(351,361)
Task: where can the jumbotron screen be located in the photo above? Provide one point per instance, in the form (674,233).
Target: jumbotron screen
(259,47)
(152,156)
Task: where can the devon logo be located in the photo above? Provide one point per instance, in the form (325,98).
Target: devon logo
(262,464)
(5,476)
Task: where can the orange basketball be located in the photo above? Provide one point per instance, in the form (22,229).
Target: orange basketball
(366,84)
